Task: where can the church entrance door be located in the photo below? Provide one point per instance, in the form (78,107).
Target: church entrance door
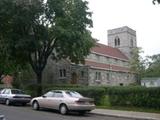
(74,78)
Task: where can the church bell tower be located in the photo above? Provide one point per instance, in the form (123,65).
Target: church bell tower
(123,38)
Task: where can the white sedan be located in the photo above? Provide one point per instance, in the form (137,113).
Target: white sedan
(64,101)
(11,96)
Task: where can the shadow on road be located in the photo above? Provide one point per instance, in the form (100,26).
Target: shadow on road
(76,114)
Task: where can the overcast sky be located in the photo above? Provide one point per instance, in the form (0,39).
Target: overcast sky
(140,15)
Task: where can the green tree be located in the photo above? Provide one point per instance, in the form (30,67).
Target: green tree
(33,30)
(154,1)
(137,64)
(153,66)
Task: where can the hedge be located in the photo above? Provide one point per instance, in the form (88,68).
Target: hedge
(134,96)
(116,96)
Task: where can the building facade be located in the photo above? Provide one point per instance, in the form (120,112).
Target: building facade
(108,66)
(105,65)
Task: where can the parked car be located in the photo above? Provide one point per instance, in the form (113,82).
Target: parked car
(11,96)
(2,117)
(64,101)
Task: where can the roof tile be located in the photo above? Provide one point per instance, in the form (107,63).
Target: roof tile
(108,51)
(106,66)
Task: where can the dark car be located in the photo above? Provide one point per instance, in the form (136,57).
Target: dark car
(11,96)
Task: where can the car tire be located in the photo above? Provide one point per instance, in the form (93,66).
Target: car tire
(7,102)
(35,105)
(63,109)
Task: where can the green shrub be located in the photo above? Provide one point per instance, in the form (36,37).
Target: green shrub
(31,89)
(105,101)
(134,96)
(2,86)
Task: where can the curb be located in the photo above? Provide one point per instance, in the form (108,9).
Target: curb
(125,116)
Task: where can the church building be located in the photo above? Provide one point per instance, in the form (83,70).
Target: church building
(105,65)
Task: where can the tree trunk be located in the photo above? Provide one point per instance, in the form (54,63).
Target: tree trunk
(39,83)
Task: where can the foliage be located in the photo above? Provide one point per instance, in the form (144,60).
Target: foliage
(33,30)
(134,96)
(8,65)
(145,67)
(154,1)
(136,64)
(153,66)
(135,61)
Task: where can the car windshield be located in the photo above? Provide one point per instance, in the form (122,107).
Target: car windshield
(17,92)
(73,94)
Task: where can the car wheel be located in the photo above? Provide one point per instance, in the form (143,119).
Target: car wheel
(63,109)
(35,105)
(7,102)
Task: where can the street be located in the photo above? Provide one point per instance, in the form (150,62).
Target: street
(26,113)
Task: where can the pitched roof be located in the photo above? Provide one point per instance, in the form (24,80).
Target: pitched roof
(108,51)
(97,65)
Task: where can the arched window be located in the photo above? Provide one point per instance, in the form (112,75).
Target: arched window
(131,42)
(62,73)
(117,41)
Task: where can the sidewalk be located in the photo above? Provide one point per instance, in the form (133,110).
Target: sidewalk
(127,114)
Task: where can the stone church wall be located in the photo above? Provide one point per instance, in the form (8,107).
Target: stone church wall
(110,78)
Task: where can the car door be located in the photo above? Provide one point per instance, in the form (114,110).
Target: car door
(44,100)
(55,100)
(1,96)
(5,94)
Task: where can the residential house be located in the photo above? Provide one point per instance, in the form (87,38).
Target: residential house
(151,82)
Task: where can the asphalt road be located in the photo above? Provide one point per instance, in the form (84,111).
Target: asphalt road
(26,113)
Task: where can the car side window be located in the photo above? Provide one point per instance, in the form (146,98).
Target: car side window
(7,91)
(49,94)
(73,94)
(3,91)
(58,94)
(17,92)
